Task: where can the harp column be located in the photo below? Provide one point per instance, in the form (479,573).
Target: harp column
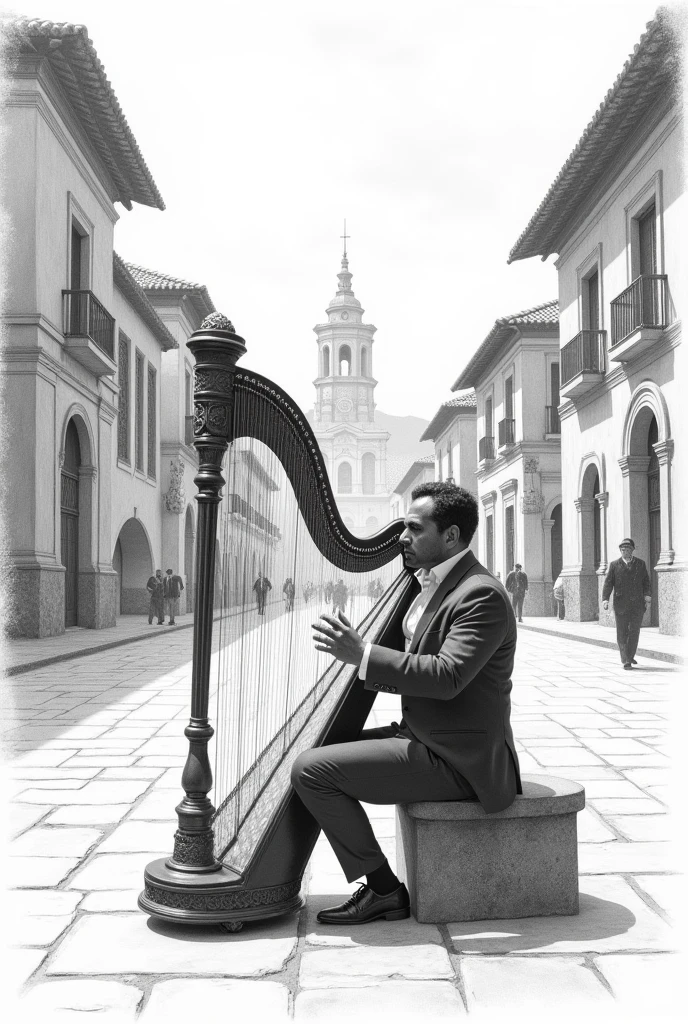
(181,887)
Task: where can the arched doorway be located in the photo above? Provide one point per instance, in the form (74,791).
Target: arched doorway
(590,541)
(654,515)
(645,501)
(189,559)
(133,563)
(69,522)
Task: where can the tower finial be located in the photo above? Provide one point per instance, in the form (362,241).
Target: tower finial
(345,236)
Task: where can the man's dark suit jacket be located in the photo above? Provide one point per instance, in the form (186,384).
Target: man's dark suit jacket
(455,680)
(630,583)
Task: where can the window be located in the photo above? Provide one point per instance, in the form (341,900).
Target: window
(509,398)
(509,545)
(592,303)
(450,463)
(152,432)
(124,399)
(344,361)
(344,478)
(554,384)
(138,412)
(326,361)
(188,393)
(364,362)
(489,432)
(368,469)
(489,542)
(647,241)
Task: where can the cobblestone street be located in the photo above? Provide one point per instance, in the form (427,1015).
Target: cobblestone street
(97,748)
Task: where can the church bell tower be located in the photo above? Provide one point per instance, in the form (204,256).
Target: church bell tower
(355,449)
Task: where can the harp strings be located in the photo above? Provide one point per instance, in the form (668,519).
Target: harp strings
(271,583)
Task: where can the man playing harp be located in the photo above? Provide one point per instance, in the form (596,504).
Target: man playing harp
(452,668)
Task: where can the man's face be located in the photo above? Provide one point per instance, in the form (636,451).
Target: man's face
(424,546)
(626,552)
(159,573)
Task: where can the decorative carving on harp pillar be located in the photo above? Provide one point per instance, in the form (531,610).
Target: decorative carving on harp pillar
(193,886)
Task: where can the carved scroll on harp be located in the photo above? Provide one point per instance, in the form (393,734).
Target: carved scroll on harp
(271,553)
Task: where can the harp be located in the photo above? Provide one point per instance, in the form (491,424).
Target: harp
(261,476)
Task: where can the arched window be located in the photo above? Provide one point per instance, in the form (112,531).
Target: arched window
(344,478)
(364,362)
(326,361)
(368,467)
(344,361)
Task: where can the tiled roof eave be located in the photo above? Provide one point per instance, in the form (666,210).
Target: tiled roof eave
(648,75)
(135,295)
(504,332)
(442,419)
(75,65)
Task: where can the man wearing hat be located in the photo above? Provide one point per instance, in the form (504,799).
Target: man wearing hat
(629,579)
(173,589)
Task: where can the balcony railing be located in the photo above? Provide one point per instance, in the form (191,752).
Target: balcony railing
(85,317)
(583,354)
(506,432)
(643,304)
(188,430)
(552,422)
(486,448)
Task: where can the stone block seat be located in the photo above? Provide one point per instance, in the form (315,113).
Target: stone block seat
(461,864)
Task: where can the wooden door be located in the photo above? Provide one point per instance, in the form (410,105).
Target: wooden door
(69,519)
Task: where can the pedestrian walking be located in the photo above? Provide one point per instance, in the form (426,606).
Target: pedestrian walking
(156,589)
(329,590)
(172,592)
(558,595)
(261,587)
(288,590)
(517,586)
(629,579)
(340,596)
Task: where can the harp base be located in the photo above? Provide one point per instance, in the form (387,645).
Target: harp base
(219,898)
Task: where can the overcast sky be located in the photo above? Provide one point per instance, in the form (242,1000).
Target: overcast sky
(435,128)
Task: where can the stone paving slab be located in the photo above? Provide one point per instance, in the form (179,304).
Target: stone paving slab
(217,1000)
(646,986)
(110,1001)
(406,1001)
(111,871)
(612,918)
(351,967)
(533,985)
(132,944)
(625,858)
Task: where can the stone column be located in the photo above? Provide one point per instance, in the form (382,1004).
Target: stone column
(548,600)
(581,597)
(665,451)
(606,618)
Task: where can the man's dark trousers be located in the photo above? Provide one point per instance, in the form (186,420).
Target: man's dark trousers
(386,766)
(628,632)
(517,602)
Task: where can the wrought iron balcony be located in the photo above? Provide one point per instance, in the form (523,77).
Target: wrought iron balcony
(89,331)
(235,503)
(552,422)
(188,430)
(506,432)
(486,448)
(643,304)
(582,362)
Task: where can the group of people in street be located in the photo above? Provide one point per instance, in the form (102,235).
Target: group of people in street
(336,594)
(165,592)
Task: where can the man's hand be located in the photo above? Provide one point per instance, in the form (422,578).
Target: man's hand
(605,605)
(336,636)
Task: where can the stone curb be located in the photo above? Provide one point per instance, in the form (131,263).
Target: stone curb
(644,652)
(29,666)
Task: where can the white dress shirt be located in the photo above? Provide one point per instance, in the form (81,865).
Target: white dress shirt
(429,580)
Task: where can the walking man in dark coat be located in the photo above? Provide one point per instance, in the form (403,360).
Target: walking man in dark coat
(261,587)
(156,589)
(517,585)
(173,589)
(629,579)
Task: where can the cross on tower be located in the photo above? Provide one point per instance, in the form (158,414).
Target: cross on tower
(345,236)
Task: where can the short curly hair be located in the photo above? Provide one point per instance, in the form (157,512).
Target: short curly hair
(451,506)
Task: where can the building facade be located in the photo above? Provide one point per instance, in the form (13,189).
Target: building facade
(615,216)
(421,471)
(515,374)
(70,159)
(355,449)
(181,306)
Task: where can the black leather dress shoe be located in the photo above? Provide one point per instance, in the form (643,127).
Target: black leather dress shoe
(633,661)
(365,905)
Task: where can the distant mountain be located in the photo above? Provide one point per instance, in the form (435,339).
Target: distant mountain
(404,446)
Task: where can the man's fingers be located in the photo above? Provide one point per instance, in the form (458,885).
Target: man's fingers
(326,630)
(344,619)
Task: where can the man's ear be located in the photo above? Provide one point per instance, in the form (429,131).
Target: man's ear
(453,535)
